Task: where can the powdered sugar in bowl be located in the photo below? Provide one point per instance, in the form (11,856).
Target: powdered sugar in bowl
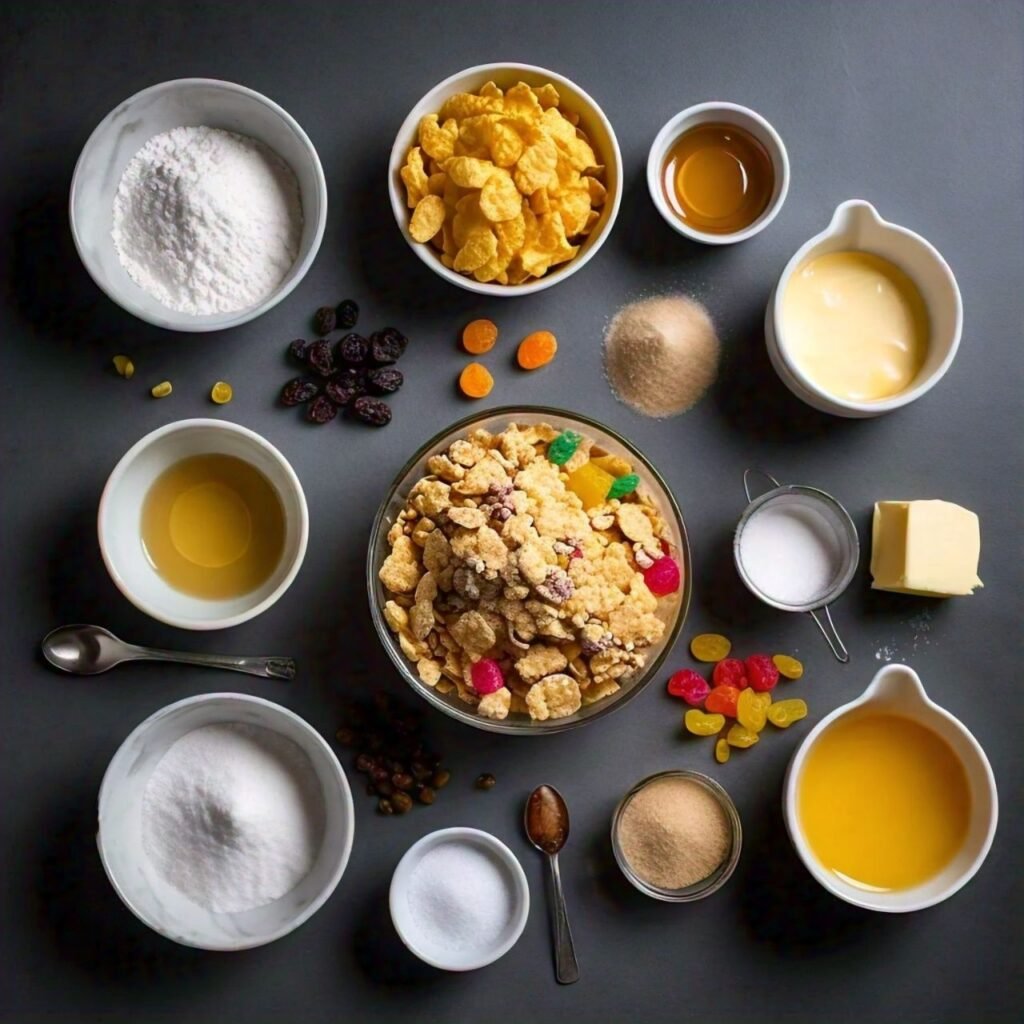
(271,145)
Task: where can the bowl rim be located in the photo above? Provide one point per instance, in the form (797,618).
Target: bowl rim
(551,726)
(122,466)
(338,776)
(472,836)
(427,256)
(188,323)
(670,131)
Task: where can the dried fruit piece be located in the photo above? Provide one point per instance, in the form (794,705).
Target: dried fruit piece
(347,314)
(161,390)
(787,666)
(372,411)
(710,647)
(722,750)
(537,350)
(623,485)
(663,577)
(479,336)
(590,484)
(297,391)
(476,381)
(320,357)
(485,781)
(752,708)
(730,672)
(346,386)
(385,380)
(353,349)
(701,724)
(324,320)
(784,713)
(740,736)
(387,346)
(486,676)
(689,685)
(322,410)
(724,700)
(124,366)
(298,350)
(563,447)
(221,393)
(762,672)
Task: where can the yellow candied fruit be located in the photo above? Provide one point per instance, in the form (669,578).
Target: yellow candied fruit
(612,464)
(752,709)
(739,736)
(722,750)
(700,724)
(221,393)
(710,647)
(787,666)
(161,390)
(124,366)
(784,713)
(591,484)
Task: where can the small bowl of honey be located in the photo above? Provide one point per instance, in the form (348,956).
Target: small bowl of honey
(718,173)
(203,524)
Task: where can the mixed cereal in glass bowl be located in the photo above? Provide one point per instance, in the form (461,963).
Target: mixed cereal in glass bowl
(528,570)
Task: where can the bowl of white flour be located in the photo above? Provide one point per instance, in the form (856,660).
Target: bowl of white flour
(197,205)
(225,821)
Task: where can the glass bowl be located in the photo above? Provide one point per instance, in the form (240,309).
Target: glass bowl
(718,877)
(495,420)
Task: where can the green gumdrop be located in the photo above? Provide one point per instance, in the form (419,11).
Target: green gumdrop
(561,450)
(624,485)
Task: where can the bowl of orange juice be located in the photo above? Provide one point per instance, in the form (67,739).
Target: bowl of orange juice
(890,801)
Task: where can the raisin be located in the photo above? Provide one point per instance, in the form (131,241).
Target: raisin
(298,350)
(343,387)
(385,807)
(364,763)
(324,320)
(297,391)
(320,357)
(427,795)
(322,410)
(372,411)
(348,314)
(353,349)
(385,380)
(387,346)
(401,802)
(485,781)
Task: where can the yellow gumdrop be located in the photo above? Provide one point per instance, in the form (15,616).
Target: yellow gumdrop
(161,390)
(784,713)
(124,366)
(722,751)
(591,484)
(710,647)
(787,666)
(739,736)
(700,724)
(221,393)
(751,710)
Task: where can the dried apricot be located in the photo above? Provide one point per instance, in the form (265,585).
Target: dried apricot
(787,666)
(740,736)
(723,700)
(701,724)
(751,709)
(479,336)
(710,647)
(161,390)
(537,350)
(476,381)
(221,393)
(784,713)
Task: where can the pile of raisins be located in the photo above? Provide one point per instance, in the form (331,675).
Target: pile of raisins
(391,752)
(349,374)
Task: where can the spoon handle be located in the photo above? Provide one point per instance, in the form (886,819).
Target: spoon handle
(567,970)
(268,668)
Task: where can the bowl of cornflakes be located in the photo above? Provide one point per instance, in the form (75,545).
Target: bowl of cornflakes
(505,178)
(528,571)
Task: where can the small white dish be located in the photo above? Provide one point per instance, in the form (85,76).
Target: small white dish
(120,512)
(897,690)
(401,915)
(592,120)
(160,905)
(128,127)
(716,112)
(857,225)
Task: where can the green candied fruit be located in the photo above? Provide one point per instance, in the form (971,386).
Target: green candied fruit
(624,485)
(561,450)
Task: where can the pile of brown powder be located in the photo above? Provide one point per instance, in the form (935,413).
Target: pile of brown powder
(661,355)
(674,833)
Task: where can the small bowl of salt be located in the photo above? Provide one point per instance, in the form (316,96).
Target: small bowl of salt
(459,899)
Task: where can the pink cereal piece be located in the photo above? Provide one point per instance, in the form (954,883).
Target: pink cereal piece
(663,577)
(486,676)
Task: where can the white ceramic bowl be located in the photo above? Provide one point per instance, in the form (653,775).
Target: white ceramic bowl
(128,127)
(158,904)
(857,225)
(727,113)
(592,120)
(118,522)
(897,690)
(401,916)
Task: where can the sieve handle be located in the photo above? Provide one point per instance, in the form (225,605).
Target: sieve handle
(831,635)
(747,473)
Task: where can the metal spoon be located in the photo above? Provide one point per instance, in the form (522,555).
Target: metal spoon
(547,826)
(88,650)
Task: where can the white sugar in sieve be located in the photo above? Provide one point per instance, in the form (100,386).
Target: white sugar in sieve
(796,549)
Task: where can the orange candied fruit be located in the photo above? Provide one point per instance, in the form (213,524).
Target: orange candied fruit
(479,336)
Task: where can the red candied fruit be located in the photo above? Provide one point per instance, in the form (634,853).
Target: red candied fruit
(730,672)
(663,577)
(762,672)
(722,700)
(486,676)
(689,685)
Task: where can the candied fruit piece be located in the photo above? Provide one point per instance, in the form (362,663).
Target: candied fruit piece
(663,577)
(710,647)
(623,485)
(124,366)
(161,390)
(221,393)
(789,667)
(784,713)
(486,676)
(751,709)
(689,685)
(701,724)
(563,447)
(730,672)
(722,750)
(372,411)
(762,672)
(740,736)
(297,391)
(723,700)
(347,314)
(322,410)
(589,483)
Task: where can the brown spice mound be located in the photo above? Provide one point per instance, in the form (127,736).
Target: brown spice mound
(661,355)
(674,833)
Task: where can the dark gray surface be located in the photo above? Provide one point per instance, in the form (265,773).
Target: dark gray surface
(914,106)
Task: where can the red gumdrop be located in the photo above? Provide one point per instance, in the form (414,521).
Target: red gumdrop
(663,577)
(730,672)
(689,685)
(486,676)
(762,672)
(722,700)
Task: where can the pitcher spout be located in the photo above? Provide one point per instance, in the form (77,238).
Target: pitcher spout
(896,686)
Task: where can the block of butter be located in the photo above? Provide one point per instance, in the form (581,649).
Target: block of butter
(925,547)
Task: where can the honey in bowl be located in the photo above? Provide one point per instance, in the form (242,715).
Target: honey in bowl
(213,526)
(718,178)
(884,802)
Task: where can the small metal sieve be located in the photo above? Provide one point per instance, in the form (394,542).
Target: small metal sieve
(844,534)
